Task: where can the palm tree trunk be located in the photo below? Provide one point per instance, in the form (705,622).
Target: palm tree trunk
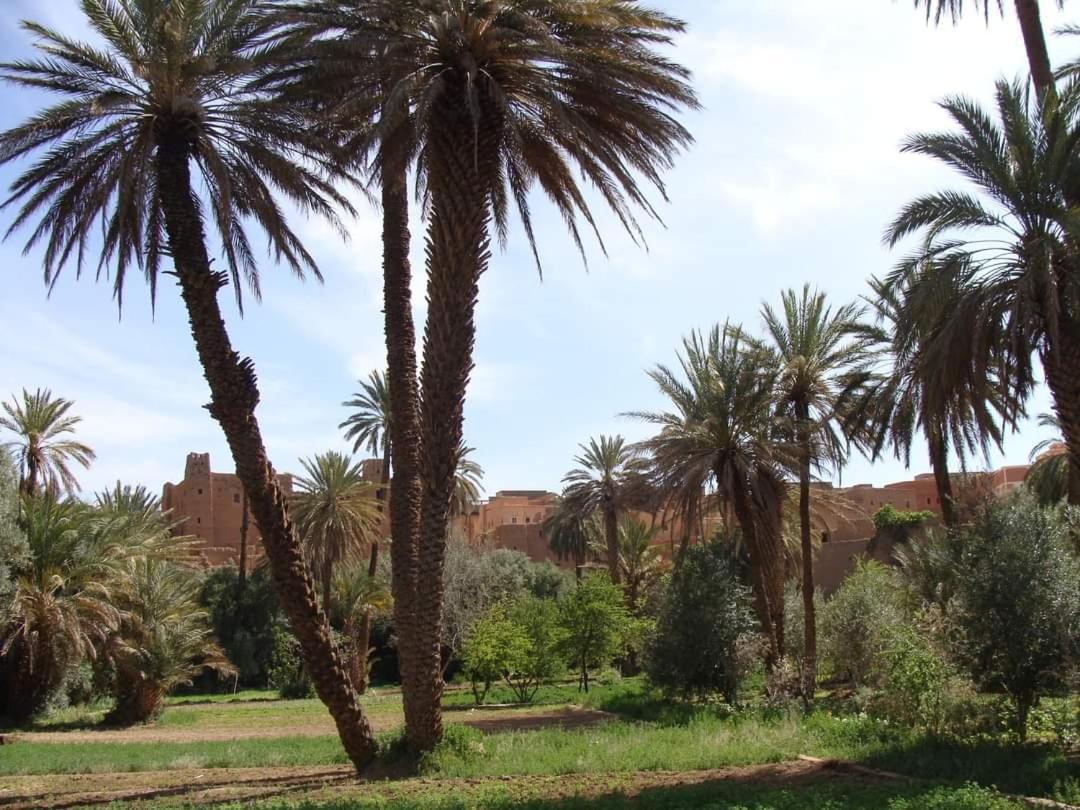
(1027,12)
(404,392)
(1062,367)
(611,538)
(362,641)
(939,460)
(381,495)
(809,670)
(233,397)
(241,581)
(327,583)
(462,163)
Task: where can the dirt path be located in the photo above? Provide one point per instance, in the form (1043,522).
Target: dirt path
(487,720)
(245,784)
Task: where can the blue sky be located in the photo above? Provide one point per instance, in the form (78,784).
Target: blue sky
(794,175)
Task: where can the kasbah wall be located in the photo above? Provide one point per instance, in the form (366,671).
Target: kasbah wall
(209,506)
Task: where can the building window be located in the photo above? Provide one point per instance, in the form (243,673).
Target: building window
(236,497)
(927,501)
(526,520)
(199,521)
(200,492)
(513,520)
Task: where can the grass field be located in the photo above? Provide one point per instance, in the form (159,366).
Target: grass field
(641,737)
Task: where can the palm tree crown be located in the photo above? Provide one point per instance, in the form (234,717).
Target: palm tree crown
(369,425)
(42,452)
(336,514)
(174,77)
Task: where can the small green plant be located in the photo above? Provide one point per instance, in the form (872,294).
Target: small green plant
(287,672)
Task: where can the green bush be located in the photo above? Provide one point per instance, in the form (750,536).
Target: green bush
(594,623)
(918,682)
(537,660)
(704,614)
(856,620)
(1018,596)
(287,673)
(244,622)
(494,641)
(795,628)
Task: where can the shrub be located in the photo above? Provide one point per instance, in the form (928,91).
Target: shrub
(916,679)
(594,621)
(536,622)
(794,627)
(287,673)
(493,643)
(1018,602)
(855,621)
(704,614)
(244,622)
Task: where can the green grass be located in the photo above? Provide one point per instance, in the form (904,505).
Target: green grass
(726,795)
(244,695)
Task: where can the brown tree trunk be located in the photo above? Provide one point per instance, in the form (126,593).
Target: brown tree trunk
(611,541)
(462,163)
(234,396)
(939,461)
(241,581)
(327,583)
(1062,367)
(809,684)
(381,496)
(405,484)
(362,640)
(29,484)
(1027,12)
(766,574)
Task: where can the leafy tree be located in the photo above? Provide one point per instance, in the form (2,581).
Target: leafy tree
(163,640)
(359,596)
(495,97)
(176,87)
(1027,14)
(820,360)
(287,671)
(724,432)
(856,620)
(704,615)
(493,642)
(336,515)
(243,622)
(41,424)
(594,622)
(1012,242)
(641,565)
(1018,591)
(929,570)
(539,658)
(14,551)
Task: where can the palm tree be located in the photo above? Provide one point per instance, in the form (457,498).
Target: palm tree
(920,383)
(819,359)
(467,486)
(163,640)
(498,96)
(359,595)
(640,563)
(175,87)
(1012,245)
(1027,14)
(605,482)
(336,515)
(64,598)
(1048,477)
(369,426)
(42,452)
(724,432)
(571,534)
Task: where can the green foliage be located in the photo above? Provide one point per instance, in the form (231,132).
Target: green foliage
(594,621)
(929,570)
(855,622)
(287,672)
(889,517)
(14,552)
(244,621)
(538,659)
(1019,601)
(494,641)
(916,679)
(794,625)
(705,613)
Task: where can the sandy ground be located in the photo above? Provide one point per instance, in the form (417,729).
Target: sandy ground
(201,786)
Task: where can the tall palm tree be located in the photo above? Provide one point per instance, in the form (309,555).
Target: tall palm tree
(640,563)
(499,96)
(336,515)
(173,89)
(467,483)
(571,534)
(724,433)
(819,358)
(359,595)
(1012,246)
(369,426)
(605,481)
(1027,14)
(913,391)
(42,452)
